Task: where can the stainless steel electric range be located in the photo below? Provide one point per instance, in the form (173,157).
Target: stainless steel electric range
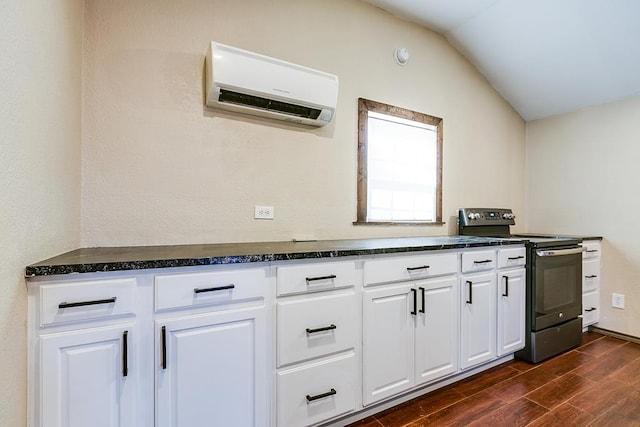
(554,282)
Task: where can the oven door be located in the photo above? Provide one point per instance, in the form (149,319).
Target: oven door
(557,286)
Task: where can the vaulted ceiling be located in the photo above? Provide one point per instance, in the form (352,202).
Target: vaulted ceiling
(545,57)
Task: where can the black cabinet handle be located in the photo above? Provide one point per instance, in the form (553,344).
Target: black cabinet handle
(422,294)
(513,258)
(218,288)
(470,300)
(311,279)
(83,303)
(591,250)
(422,267)
(326,328)
(125,355)
(484,261)
(163,345)
(320,396)
(591,276)
(415,301)
(590,309)
(506,286)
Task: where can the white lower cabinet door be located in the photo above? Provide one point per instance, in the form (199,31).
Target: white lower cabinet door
(388,342)
(436,342)
(316,391)
(88,378)
(511,311)
(211,369)
(478,316)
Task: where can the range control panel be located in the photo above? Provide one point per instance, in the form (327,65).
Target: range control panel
(470,217)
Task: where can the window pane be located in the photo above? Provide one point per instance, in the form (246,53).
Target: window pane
(401,165)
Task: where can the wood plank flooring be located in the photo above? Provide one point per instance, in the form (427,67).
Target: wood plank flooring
(596,384)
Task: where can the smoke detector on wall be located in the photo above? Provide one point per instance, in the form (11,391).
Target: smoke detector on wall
(401,56)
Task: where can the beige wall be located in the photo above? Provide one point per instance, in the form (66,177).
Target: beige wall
(158,168)
(40,112)
(582,178)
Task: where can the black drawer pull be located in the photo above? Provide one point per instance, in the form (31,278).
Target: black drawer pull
(470,300)
(513,258)
(218,288)
(415,301)
(484,261)
(320,396)
(326,328)
(590,309)
(422,267)
(592,276)
(591,250)
(163,344)
(506,286)
(83,303)
(125,355)
(311,279)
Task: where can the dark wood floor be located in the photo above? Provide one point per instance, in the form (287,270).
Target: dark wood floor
(597,384)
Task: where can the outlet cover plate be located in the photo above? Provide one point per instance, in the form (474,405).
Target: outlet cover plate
(263,212)
(617,300)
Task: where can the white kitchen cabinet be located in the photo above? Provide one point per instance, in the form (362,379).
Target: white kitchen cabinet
(410,335)
(95,341)
(388,341)
(88,377)
(211,369)
(292,343)
(511,311)
(478,319)
(591,259)
(436,336)
(210,345)
(314,392)
(85,362)
(317,325)
(317,341)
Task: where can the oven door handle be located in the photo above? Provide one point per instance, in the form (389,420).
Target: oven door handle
(560,252)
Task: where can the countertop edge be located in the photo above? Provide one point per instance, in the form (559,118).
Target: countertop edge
(69,263)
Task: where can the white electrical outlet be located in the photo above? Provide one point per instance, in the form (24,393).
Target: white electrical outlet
(617,300)
(263,212)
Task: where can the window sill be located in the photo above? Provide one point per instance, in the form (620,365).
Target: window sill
(400,223)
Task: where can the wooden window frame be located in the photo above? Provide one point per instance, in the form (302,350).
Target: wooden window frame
(366,105)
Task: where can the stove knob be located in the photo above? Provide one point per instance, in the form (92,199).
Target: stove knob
(471,215)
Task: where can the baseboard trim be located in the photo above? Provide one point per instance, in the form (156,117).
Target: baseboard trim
(615,334)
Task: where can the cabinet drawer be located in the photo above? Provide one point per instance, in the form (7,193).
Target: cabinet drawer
(409,267)
(590,275)
(314,277)
(314,327)
(317,391)
(590,308)
(592,249)
(94,299)
(478,261)
(212,287)
(513,257)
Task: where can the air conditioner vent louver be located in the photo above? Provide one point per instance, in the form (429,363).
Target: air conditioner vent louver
(268,104)
(249,83)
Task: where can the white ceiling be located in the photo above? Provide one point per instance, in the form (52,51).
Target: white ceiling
(545,57)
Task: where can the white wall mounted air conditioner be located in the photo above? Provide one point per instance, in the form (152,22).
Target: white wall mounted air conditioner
(247,82)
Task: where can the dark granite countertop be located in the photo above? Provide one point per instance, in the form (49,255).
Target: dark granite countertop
(90,260)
